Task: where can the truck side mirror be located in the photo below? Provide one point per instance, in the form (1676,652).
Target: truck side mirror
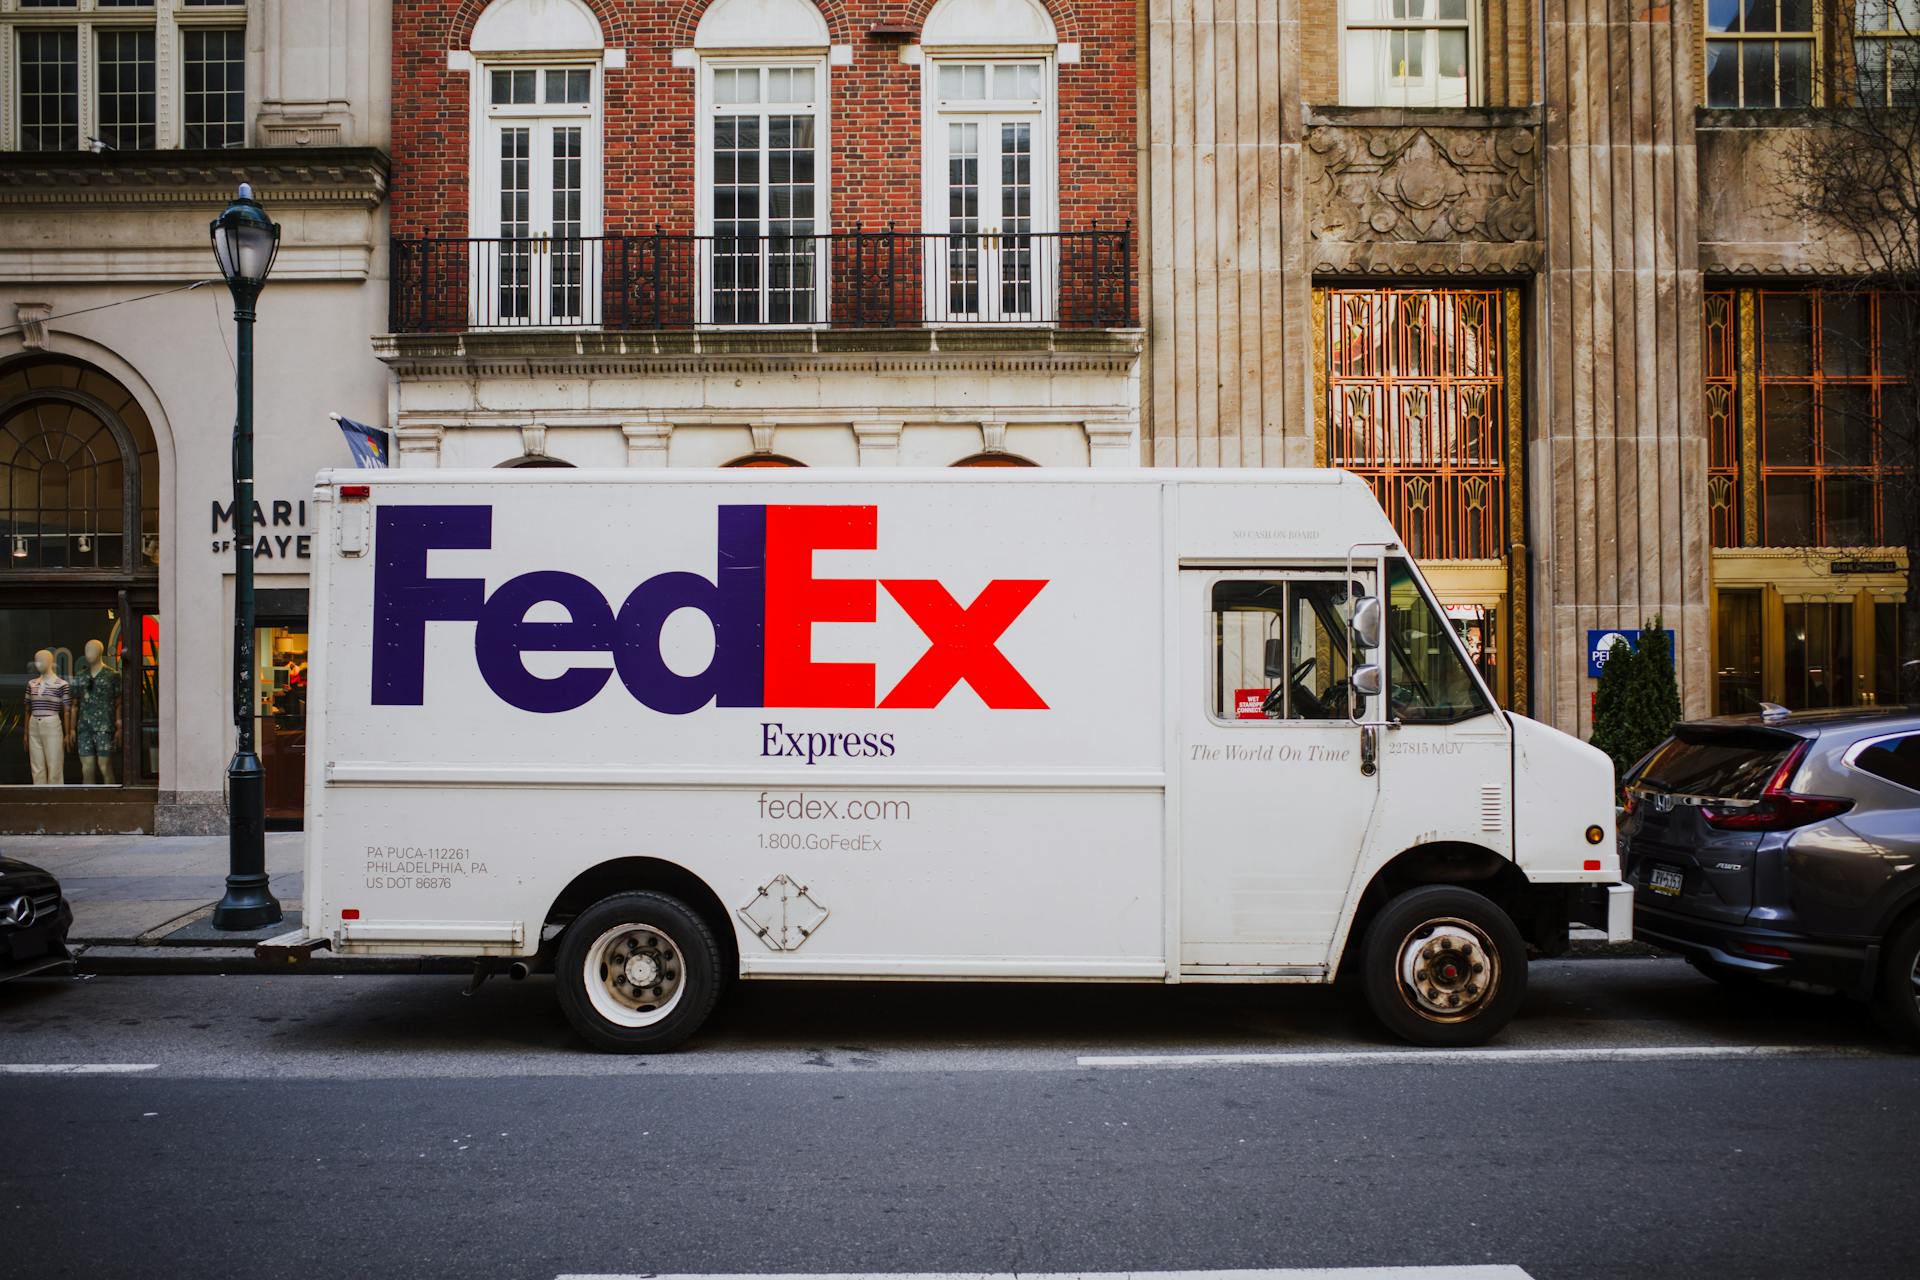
(1366,622)
(1366,680)
(1276,658)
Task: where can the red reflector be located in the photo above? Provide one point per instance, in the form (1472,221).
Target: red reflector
(350,913)
(355,492)
(1591,864)
(1766,952)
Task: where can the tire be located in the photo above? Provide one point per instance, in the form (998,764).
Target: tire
(637,973)
(1420,931)
(1896,1003)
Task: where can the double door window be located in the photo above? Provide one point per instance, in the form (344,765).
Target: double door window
(539,263)
(761,253)
(988,193)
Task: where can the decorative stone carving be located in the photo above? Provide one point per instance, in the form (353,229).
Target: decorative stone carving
(32,318)
(1385,193)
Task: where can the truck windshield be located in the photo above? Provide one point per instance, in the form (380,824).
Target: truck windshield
(1428,679)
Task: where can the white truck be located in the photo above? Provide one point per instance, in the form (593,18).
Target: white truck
(654,730)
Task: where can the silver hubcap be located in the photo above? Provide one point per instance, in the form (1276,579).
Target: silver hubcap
(1448,970)
(634,975)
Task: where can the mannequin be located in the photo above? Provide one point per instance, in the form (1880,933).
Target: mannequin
(49,722)
(97,715)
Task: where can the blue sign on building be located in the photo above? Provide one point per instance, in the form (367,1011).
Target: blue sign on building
(1600,643)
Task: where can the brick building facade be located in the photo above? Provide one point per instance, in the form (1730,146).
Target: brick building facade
(852,233)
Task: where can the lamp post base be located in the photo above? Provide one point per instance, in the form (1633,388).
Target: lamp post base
(248,903)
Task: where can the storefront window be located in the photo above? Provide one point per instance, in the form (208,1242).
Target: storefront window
(1819,655)
(62,713)
(79,545)
(280,718)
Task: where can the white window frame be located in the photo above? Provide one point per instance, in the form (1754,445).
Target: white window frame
(706,111)
(1474,25)
(935,114)
(167,20)
(483,168)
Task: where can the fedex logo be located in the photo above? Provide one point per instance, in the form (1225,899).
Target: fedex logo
(762,602)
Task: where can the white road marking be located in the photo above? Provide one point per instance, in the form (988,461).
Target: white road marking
(74,1068)
(1305,1273)
(1424,1057)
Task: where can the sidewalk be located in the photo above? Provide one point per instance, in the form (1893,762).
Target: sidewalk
(135,890)
(144,904)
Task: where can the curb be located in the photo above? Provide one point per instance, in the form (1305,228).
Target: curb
(119,960)
(147,961)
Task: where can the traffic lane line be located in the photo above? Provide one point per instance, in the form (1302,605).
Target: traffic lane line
(75,1068)
(1368,1057)
(1473,1272)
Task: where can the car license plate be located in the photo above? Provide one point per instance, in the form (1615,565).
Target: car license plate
(1667,880)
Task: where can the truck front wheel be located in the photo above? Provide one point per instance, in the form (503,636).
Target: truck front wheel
(638,973)
(1444,966)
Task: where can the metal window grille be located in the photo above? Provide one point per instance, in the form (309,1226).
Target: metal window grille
(1832,372)
(1416,405)
(1722,376)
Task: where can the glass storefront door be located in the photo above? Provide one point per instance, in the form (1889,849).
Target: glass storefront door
(1738,670)
(280,718)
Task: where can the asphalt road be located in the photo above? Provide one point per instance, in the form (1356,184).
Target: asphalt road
(362,1126)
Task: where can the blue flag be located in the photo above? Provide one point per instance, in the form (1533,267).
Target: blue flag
(369,444)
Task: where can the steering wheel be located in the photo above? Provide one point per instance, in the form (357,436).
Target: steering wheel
(1300,669)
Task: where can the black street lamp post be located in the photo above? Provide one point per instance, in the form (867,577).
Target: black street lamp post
(244,244)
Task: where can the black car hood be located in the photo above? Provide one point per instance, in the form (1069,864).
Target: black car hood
(26,871)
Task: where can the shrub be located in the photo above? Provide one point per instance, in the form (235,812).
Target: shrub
(1639,700)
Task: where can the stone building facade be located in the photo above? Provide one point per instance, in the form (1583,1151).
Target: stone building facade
(709,232)
(1506,261)
(125,128)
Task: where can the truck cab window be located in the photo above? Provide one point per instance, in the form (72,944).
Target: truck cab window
(1280,650)
(1429,681)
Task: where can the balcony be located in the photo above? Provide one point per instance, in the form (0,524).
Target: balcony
(1060,280)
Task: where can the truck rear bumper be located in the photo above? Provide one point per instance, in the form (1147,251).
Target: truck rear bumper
(1605,906)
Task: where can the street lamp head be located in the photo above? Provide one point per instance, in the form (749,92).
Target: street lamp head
(244,244)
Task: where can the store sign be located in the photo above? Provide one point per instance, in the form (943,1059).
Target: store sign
(281,526)
(1865,566)
(1600,646)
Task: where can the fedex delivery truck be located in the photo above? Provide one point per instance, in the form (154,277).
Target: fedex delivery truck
(658,729)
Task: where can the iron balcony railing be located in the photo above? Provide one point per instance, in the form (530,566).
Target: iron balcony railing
(847,279)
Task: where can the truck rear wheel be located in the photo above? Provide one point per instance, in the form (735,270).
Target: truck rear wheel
(1444,966)
(638,973)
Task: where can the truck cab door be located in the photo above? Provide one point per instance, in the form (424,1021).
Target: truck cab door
(1274,802)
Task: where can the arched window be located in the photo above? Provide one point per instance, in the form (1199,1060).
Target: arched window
(995,460)
(79,546)
(989,172)
(766,460)
(530,460)
(79,488)
(536,164)
(761,161)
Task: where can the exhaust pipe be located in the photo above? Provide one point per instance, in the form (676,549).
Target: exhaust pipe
(519,970)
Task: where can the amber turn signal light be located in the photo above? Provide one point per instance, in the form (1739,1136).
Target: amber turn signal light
(1595,835)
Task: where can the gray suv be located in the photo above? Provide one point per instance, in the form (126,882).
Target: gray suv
(1785,847)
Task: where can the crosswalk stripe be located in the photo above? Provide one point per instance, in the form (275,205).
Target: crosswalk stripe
(1471,1272)
(74,1068)
(1427,1057)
